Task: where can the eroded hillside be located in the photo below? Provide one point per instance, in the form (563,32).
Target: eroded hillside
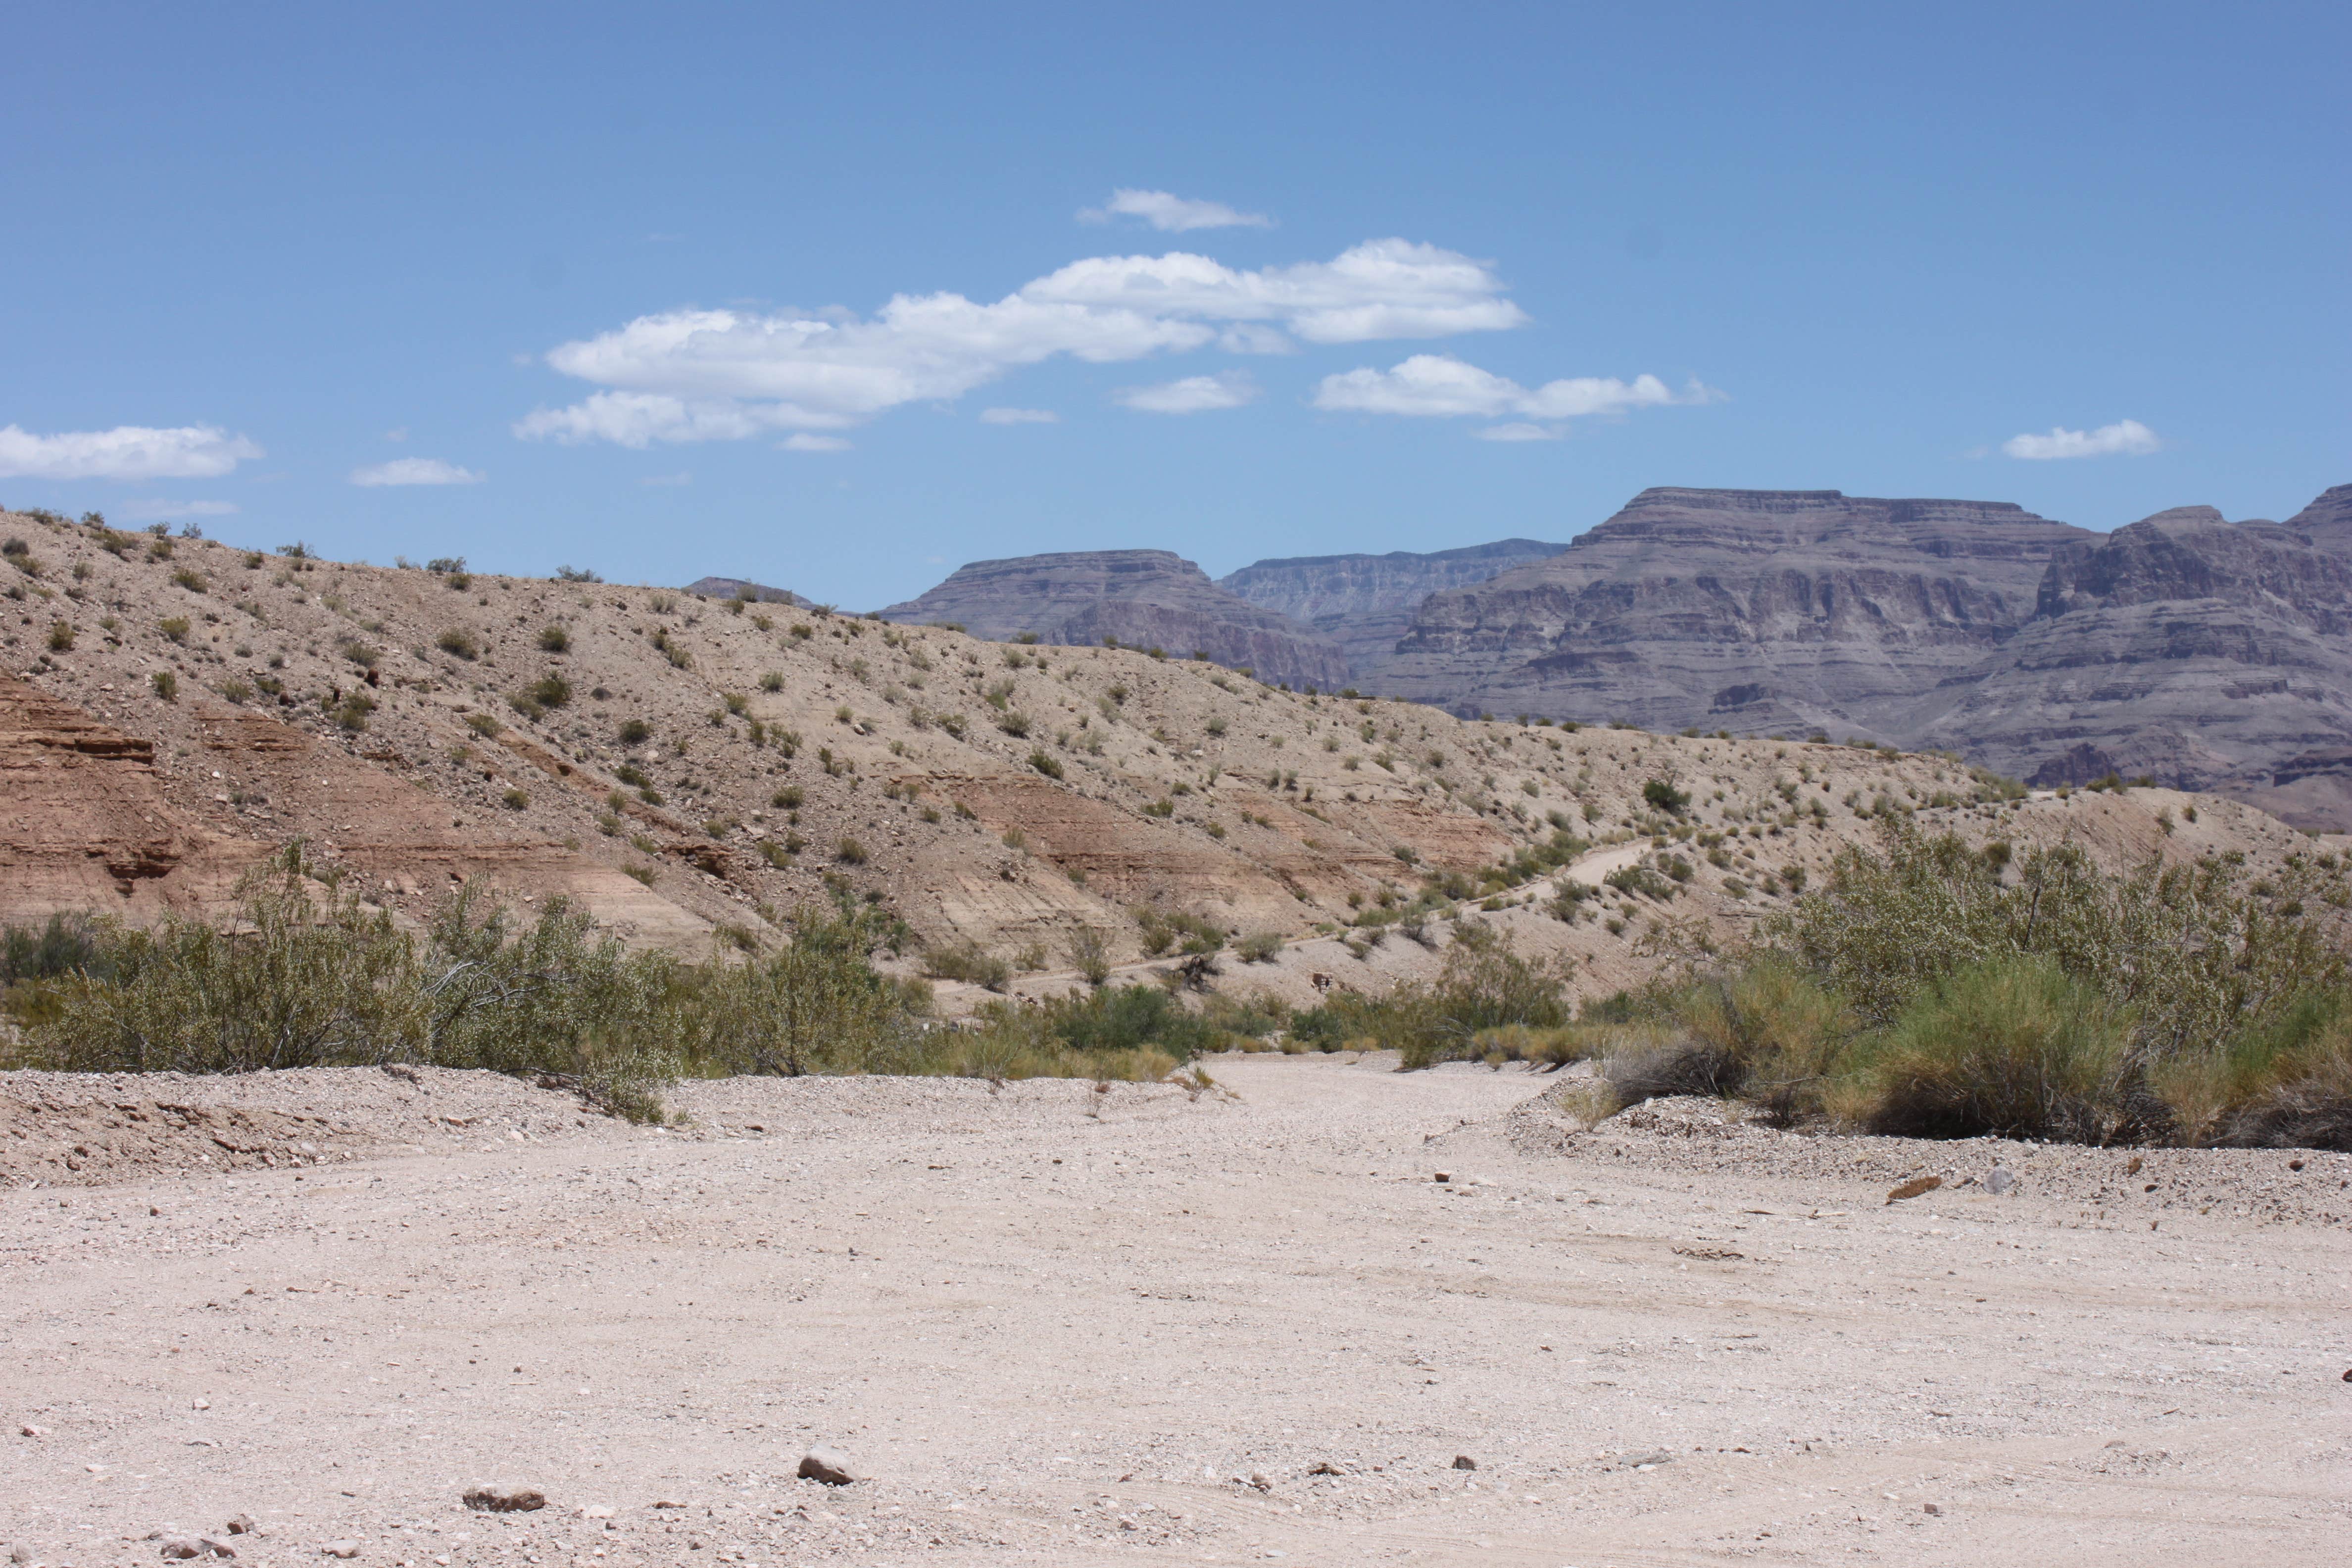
(681,764)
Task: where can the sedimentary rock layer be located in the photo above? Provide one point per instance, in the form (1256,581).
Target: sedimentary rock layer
(1145,598)
(1754,611)
(1365,603)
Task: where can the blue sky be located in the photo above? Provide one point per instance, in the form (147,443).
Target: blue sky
(1385,277)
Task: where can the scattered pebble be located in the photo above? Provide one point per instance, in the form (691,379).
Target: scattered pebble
(505,1499)
(341,1548)
(1465,1462)
(2002,1179)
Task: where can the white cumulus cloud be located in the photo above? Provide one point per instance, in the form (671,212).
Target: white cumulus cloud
(1441,386)
(125,452)
(414,471)
(1172,214)
(2126,438)
(804,442)
(712,375)
(1019,416)
(1193,394)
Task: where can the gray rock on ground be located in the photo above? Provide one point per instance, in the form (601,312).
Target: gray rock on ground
(828,1465)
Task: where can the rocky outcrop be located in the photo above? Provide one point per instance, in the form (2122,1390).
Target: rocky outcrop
(1365,603)
(88,824)
(86,827)
(1752,611)
(406,844)
(1144,598)
(2186,649)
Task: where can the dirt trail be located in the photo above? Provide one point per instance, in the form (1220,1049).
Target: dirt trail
(1064,1326)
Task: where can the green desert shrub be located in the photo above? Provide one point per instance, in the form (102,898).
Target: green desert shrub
(1110,1022)
(1931,988)
(968,961)
(1484,984)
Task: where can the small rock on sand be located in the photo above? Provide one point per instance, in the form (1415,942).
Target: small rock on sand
(2002,1180)
(828,1465)
(1465,1462)
(180,1546)
(341,1548)
(505,1499)
(241,1525)
(1912,1189)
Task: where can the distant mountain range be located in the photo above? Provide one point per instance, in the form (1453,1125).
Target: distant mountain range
(2185,648)
(1365,603)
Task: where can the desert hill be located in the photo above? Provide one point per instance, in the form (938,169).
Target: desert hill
(682,764)
(744,588)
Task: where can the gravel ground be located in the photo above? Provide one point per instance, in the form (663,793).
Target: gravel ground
(1057,1325)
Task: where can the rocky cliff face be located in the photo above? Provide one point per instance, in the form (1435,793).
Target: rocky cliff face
(1365,603)
(1753,610)
(1145,598)
(2201,653)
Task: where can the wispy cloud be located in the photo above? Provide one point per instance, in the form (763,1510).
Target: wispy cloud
(414,471)
(2124,438)
(159,510)
(1520,432)
(1441,386)
(1019,416)
(1193,394)
(1172,214)
(808,442)
(125,452)
(714,375)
